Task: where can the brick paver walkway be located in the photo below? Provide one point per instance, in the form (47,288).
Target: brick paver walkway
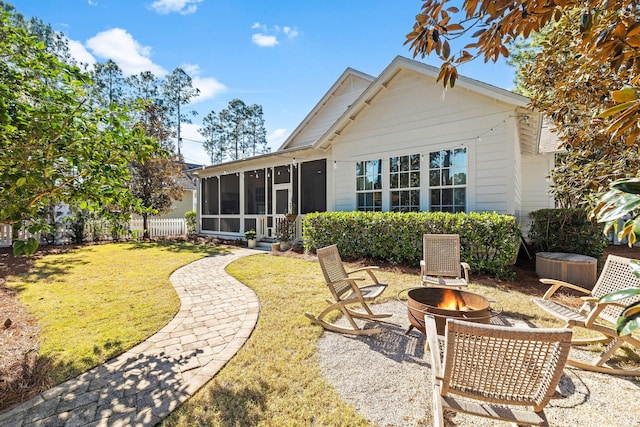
(143,385)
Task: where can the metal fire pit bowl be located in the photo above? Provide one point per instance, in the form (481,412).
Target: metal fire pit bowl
(424,300)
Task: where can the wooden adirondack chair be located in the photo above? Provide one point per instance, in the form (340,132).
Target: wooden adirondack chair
(441,264)
(346,292)
(593,315)
(496,372)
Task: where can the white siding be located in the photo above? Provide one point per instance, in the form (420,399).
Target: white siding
(411,117)
(339,101)
(535,186)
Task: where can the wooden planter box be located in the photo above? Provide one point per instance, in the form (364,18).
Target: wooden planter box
(581,270)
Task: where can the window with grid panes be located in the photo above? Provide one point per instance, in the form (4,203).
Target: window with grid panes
(404,182)
(369,185)
(448,180)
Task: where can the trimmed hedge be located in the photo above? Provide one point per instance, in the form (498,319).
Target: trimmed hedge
(567,230)
(489,241)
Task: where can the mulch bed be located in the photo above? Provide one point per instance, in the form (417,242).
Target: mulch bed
(22,375)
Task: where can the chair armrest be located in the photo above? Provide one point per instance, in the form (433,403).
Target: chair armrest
(369,270)
(434,347)
(465,267)
(595,312)
(351,280)
(557,284)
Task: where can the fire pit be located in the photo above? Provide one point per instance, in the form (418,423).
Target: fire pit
(443,303)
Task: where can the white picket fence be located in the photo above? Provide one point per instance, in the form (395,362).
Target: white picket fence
(161,227)
(158,227)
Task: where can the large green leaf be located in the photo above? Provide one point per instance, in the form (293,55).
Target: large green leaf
(620,295)
(628,185)
(629,320)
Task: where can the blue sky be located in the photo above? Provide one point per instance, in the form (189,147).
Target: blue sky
(281,54)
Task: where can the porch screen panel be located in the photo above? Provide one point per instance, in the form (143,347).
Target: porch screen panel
(210,224)
(313,186)
(209,196)
(231,225)
(249,224)
(281,175)
(448,180)
(254,192)
(230,194)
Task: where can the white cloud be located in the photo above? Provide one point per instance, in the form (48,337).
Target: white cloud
(92,2)
(79,53)
(120,46)
(290,32)
(183,7)
(209,86)
(259,26)
(264,40)
(276,138)
(269,38)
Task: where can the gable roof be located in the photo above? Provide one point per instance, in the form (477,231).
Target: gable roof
(528,139)
(346,76)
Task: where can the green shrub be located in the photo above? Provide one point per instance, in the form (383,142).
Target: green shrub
(190,217)
(566,230)
(489,241)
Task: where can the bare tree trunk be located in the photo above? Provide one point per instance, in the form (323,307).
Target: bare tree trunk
(145,228)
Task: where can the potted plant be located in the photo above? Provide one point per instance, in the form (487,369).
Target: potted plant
(250,235)
(285,232)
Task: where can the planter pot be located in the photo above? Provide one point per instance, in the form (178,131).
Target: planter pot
(285,246)
(275,247)
(251,243)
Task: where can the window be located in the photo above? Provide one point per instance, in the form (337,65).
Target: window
(369,185)
(404,181)
(448,180)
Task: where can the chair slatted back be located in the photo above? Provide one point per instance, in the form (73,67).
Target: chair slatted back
(441,254)
(333,270)
(616,274)
(504,365)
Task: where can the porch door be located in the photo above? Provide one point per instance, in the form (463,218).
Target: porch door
(282,198)
(282,201)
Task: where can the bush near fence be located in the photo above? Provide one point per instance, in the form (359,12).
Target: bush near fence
(489,241)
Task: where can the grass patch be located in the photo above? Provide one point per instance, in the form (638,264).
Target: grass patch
(98,301)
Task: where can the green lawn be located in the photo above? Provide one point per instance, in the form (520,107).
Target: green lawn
(98,301)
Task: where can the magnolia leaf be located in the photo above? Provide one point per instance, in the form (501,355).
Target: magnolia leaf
(635,267)
(632,310)
(624,95)
(620,294)
(628,185)
(446,49)
(616,109)
(628,325)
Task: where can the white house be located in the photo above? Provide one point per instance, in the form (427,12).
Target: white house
(398,142)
